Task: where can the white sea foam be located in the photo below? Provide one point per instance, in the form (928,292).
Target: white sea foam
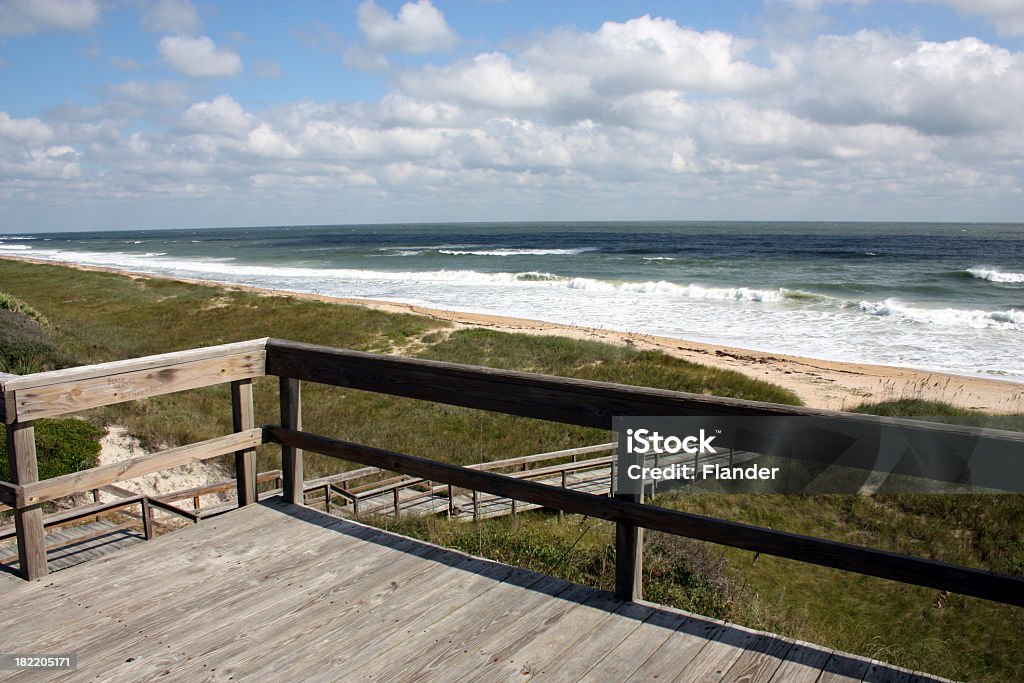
(1011,319)
(773,319)
(994,275)
(514,252)
(15,247)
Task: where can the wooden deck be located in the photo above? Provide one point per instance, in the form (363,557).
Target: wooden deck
(73,545)
(279,592)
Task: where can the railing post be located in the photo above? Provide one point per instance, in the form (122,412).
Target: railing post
(629,547)
(398,509)
(28,521)
(629,561)
(243,416)
(147,520)
(291,458)
(561,512)
(327,498)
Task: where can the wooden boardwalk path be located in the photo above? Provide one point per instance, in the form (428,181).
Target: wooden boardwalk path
(596,480)
(279,592)
(71,545)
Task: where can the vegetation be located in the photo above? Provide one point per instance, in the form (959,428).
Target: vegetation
(98,317)
(62,446)
(25,342)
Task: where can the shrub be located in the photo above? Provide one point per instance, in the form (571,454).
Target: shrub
(63,446)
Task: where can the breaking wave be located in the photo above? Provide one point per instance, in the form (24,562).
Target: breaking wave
(515,252)
(994,275)
(1011,319)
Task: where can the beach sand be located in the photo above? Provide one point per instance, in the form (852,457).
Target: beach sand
(819,383)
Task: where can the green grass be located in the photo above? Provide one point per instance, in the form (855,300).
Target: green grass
(97,317)
(26,345)
(63,446)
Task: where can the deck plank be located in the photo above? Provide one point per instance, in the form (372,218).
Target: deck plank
(669,661)
(280,592)
(623,660)
(760,660)
(803,664)
(531,655)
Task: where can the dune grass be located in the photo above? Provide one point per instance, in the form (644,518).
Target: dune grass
(99,316)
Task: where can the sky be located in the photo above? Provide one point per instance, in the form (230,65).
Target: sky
(122,114)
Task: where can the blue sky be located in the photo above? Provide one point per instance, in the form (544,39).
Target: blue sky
(170,113)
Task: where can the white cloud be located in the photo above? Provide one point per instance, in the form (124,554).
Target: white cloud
(26,17)
(951,88)
(419,27)
(646,53)
(199,57)
(221,115)
(30,131)
(632,115)
(265,141)
(490,80)
(171,16)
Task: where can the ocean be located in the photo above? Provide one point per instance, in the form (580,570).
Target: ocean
(934,296)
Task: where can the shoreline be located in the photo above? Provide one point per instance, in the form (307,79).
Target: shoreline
(833,385)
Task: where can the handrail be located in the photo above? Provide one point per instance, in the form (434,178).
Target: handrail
(389,485)
(884,564)
(47,394)
(68,484)
(565,400)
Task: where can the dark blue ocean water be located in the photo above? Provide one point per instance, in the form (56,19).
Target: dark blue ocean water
(941,296)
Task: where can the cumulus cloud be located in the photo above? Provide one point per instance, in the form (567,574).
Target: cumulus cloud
(646,109)
(220,115)
(419,27)
(199,57)
(25,17)
(171,16)
(949,88)
(30,131)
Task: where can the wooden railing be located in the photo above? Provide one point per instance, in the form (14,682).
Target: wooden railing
(570,401)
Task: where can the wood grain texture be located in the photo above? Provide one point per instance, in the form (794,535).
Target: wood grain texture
(131,365)
(557,399)
(930,573)
(76,482)
(291,457)
(243,419)
(75,394)
(28,521)
(225,601)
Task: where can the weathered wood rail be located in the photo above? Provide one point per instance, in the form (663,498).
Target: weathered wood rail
(570,401)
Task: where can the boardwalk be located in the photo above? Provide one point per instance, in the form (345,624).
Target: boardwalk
(279,592)
(587,476)
(70,546)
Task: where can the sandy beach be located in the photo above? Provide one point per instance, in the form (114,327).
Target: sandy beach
(819,383)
